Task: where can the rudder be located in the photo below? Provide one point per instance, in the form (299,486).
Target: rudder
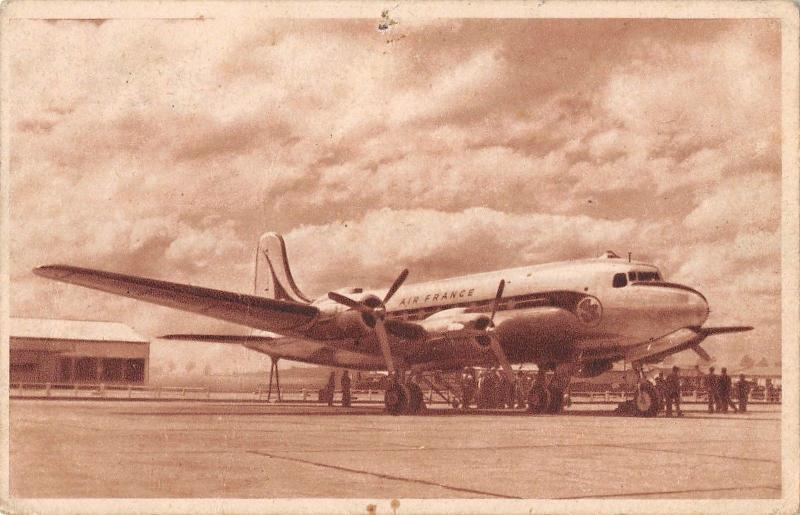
(273,278)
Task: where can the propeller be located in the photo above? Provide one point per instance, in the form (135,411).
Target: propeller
(497,298)
(701,352)
(375,316)
(494,341)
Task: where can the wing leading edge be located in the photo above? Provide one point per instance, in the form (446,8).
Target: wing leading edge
(248,310)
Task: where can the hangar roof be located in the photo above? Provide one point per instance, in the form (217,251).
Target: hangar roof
(86,330)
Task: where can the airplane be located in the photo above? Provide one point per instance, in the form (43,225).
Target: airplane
(570,318)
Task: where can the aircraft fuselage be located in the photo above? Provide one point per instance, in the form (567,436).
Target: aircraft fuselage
(600,304)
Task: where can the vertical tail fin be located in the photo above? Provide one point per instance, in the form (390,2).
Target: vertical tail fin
(273,278)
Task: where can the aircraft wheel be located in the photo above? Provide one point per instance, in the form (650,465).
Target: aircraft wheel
(538,399)
(556,404)
(395,399)
(646,400)
(415,400)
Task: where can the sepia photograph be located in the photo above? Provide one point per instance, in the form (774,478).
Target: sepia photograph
(366,257)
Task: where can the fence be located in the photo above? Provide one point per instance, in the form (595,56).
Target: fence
(303,395)
(105,391)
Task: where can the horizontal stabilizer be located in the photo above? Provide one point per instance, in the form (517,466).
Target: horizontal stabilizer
(218,338)
(709,331)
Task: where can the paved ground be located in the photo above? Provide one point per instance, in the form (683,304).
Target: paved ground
(186,449)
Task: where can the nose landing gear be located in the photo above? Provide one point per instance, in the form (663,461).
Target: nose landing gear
(647,401)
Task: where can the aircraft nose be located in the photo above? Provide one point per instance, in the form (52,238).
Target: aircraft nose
(700,308)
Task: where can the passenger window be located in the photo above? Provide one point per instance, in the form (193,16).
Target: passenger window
(620,281)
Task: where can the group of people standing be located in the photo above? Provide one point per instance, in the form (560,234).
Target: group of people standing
(720,388)
(330,388)
(490,389)
(670,389)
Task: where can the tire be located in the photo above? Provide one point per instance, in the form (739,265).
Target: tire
(538,400)
(646,401)
(395,399)
(415,400)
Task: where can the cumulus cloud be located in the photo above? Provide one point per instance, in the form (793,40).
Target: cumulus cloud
(741,203)
(165,149)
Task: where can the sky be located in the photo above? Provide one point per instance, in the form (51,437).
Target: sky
(164,148)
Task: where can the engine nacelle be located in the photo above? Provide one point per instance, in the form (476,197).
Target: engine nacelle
(455,319)
(350,323)
(595,368)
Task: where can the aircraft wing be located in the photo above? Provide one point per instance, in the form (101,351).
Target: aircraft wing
(248,310)
(680,340)
(295,349)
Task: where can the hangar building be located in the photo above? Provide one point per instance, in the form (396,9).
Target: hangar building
(76,351)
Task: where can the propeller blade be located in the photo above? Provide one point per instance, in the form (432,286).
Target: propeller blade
(701,352)
(383,340)
(497,297)
(347,301)
(499,353)
(397,284)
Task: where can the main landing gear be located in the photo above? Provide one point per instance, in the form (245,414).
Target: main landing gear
(548,397)
(545,400)
(403,398)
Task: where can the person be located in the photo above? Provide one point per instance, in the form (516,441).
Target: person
(468,386)
(724,390)
(506,392)
(346,399)
(661,386)
(523,384)
(330,387)
(770,391)
(499,390)
(742,391)
(491,389)
(711,388)
(672,387)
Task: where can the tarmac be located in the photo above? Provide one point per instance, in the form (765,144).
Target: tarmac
(80,448)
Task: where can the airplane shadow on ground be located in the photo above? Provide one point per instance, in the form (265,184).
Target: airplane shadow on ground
(338,412)
(286,411)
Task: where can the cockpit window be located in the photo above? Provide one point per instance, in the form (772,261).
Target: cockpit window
(639,276)
(620,280)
